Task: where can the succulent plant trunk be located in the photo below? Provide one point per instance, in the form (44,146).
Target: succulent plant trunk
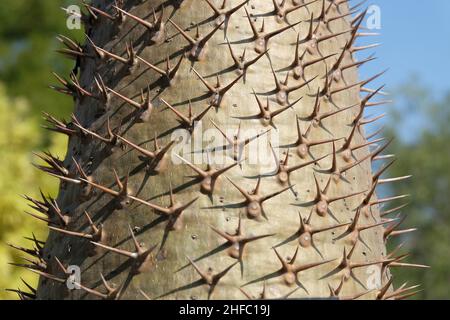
(217,151)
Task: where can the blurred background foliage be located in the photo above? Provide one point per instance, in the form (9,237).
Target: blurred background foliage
(421,124)
(27,42)
(27,56)
(418,119)
(20,135)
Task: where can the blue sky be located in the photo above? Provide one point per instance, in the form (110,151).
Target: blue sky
(415,37)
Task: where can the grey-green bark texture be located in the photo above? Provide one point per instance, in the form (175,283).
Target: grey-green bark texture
(301,222)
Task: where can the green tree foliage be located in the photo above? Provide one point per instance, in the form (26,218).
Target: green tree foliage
(27,57)
(27,52)
(426,155)
(20,135)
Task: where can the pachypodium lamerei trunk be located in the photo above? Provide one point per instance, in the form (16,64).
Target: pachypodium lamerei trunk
(217,151)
